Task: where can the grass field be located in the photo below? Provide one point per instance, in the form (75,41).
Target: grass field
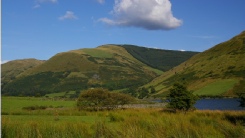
(217,88)
(129,123)
(98,53)
(15,104)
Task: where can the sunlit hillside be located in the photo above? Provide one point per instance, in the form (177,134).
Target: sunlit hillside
(11,69)
(107,66)
(220,66)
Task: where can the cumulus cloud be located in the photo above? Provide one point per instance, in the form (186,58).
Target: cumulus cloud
(147,14)
(68,15)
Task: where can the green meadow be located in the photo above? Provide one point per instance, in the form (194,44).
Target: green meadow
(217,88)
(62,120)
(15,104)
(98,53)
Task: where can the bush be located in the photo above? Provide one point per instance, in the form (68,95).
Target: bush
(180,98)
(100,99)
(34,107)
(239,89)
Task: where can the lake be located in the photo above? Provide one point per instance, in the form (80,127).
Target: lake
(219,104)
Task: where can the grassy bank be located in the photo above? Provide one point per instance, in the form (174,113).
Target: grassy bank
(217,88)
(136,123)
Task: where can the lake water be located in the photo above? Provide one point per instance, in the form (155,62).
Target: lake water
(219,104)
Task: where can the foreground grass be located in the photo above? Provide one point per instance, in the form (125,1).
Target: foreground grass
(137,123)
(131,123)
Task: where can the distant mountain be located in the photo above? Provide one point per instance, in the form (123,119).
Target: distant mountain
(159,58)
(11,69)
(107,66)
(212,72)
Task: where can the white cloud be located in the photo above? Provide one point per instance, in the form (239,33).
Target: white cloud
(147,14)
(68,15)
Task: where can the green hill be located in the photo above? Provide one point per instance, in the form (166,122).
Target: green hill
(158,58)
(212,72)
(108,66)
(115,67)
(11,69)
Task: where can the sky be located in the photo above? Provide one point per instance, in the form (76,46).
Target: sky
(42,28)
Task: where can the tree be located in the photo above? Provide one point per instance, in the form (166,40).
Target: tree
(180,98)
(153,90)
(239,89)
(99,99)
(143,92)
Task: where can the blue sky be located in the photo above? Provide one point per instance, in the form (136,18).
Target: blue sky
(42,28)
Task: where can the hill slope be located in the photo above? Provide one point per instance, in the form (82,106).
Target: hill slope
(215,68)
(107,66)
(11,69)
(158,58)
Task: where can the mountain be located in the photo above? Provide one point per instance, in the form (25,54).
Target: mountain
(11,69)
(107,66)
(213,72)
(159,58)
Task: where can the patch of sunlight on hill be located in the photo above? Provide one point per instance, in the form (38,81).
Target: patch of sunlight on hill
(98,53)
(217,88)
(157,71)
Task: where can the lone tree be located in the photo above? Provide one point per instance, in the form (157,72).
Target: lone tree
(180,98)
(239,89)
(100,99)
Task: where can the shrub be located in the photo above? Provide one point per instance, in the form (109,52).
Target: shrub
(240,91)
(34,107)
(100,99)
(180,98)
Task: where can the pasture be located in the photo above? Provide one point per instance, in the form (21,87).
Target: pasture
(61,120)
(217,88)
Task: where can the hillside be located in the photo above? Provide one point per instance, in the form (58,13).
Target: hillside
(159,58)
(11,69)
(212,72)
(107,66)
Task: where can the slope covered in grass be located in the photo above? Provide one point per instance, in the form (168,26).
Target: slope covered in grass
(158,58)
(218,87)
(11,69)
(221,62)
(107,66)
